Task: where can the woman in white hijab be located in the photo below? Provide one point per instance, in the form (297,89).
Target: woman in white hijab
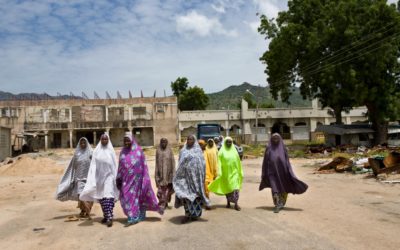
(101,180)
(74,178)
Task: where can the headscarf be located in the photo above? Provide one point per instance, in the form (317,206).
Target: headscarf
(230,170)
(165,165)
(102,173)
(136,193)
(202,143)
(189,178)
(74,177)
(276,164)
(211,157)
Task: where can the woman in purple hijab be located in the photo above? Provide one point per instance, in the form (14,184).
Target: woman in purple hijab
(133,181)
(277,173)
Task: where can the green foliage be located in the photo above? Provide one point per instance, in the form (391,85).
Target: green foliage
(179,86)
(297,154)
(249,99)
(232,96)
(344,52)
(193,98)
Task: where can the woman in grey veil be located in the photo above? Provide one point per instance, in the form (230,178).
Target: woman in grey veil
(75,176)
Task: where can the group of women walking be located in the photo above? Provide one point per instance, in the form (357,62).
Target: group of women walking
(97,176)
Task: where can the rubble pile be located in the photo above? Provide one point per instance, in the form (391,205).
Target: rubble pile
(384,164)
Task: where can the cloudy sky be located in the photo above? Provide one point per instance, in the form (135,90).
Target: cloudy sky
(98,45)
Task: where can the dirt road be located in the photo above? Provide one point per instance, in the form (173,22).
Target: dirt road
(338,211)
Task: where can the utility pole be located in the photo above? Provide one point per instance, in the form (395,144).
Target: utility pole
(257,106)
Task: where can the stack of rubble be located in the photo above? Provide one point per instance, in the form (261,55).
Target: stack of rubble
(339,164)
(388,164)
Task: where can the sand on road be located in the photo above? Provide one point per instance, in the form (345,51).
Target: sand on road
(339,211)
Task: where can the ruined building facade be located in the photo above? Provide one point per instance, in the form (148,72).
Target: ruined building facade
(62,122)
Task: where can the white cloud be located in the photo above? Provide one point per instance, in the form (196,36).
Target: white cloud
(100,46)
(253,26)
(219,9)
(270,8)
(201,25)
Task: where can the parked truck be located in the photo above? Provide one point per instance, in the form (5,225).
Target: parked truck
(210,131)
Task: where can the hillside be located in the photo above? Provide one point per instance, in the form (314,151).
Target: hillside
(32,96)
(232,96)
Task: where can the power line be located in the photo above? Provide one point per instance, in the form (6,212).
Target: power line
(343,59)
(342,51)
(355,44)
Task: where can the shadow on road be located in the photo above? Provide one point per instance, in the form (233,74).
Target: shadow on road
(152,219)
(177,220)
(284,209)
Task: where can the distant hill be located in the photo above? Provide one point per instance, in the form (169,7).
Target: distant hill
(232,96)
(33,96)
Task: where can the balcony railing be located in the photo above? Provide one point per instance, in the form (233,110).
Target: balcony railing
(40,126)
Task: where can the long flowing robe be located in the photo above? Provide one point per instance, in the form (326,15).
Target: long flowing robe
(189,178)
(211,159)
(136,194)
(230,171)
(277,173)
(164,174)
(165,166)
(101,180)
(74,178)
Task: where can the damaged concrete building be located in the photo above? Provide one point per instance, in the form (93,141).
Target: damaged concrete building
(63,122)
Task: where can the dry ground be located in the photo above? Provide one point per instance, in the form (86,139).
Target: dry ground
(339,211)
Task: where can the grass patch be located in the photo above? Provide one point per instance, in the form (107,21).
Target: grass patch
(297,154)
(254,150)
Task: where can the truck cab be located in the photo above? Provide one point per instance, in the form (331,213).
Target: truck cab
(207,131)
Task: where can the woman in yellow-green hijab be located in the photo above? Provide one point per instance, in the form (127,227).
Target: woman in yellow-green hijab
(229,181)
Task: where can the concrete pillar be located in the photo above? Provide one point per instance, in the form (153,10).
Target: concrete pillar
(70,115)
(44,112)
(268,132)
(227,127)
(313,124)
(94,138)
(314,104)
(106,108)
(46,141)
(70,138)
(326,121)
(130,114)
(348,120)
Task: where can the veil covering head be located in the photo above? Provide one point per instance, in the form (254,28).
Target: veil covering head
(230,170)
(189,178)
(74,178)
(102,173)
(277,172)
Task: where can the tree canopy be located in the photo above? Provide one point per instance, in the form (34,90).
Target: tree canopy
(189,98)
(179,86)
(344,52)
(193,98)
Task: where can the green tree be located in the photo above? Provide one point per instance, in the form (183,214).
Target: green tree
(179,86)
(344,52)
(250,101)
(193,98)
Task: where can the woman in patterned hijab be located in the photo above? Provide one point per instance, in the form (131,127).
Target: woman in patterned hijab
(189,180)
(133,181)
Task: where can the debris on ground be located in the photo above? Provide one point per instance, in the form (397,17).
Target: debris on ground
(388,164)
(339,164)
